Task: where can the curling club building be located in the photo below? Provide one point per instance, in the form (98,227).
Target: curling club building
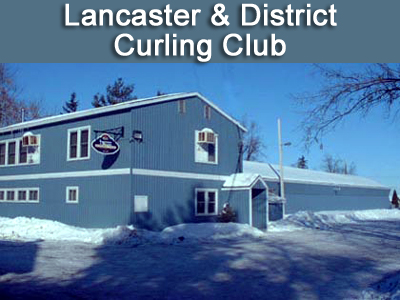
(151,162)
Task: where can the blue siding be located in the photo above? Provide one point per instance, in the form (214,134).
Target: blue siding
(259,207)
(169,139)
(103,201)
(275,211)
(324,197)
(239,201)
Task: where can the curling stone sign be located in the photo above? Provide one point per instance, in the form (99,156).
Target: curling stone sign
(105,145)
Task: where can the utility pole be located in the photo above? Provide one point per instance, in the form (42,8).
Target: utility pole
(281,181)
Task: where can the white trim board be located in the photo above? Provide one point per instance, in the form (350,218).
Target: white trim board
(125,171)
(173,174)
(112,172)
(116,107)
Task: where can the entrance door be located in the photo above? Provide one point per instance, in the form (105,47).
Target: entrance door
(259,208)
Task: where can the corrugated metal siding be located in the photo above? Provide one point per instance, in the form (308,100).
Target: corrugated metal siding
(171,201)
(239,201)
(275,211)
(103,201)
(54,140)
(324,197)
(259,207)
(169,138)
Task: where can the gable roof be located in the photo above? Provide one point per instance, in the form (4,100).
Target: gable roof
(117,107)
(296,175)
(242,180)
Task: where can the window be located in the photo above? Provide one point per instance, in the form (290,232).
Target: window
(72,194)
(2,154)
(15,152)
(207,112)
(34,195)
(11,153)
(206,146)
(78,143)
(23,153)
(22,195)
(182,106)
(141,203)
(19,195)
(206,202)
(10,196)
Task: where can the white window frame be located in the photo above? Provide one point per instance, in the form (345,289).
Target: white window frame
(143,197)
(16,192)
(17,153)
(206,198)
(67,190)
(197,157)
(78,148)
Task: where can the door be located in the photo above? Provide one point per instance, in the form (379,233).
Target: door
(259,208)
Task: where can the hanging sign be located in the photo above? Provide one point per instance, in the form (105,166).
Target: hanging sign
(105,145)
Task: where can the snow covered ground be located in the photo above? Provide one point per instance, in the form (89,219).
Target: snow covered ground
(326,255)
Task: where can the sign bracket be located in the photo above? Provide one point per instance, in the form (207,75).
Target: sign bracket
(117,132)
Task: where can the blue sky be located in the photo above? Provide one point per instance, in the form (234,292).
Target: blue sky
(262,92)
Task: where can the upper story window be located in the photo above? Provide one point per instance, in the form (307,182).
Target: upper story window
(182,106)
(207,112)
(15,152)
(78,143)
(11,153)
(206,146)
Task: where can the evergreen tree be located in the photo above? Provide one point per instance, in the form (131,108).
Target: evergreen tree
(99,101)
(117,93)
(160,93)
(71,105)
(302,163)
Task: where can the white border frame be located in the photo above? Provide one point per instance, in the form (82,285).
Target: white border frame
(69,188)
(78,149)
(206,201)
(16,190)
(196,140)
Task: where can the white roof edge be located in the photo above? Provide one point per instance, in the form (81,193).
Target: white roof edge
(248,185)
(116,107)
(274,177)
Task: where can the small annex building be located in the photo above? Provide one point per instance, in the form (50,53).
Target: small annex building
(319,191)
(151,162)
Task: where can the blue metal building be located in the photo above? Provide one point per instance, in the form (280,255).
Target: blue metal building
(320,191)
(152,162)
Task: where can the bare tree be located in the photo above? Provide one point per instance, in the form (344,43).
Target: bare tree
(11,106)
(345,93)
(253,146)
(337,165)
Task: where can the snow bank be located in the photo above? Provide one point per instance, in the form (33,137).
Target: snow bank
(22,228)
(32,229)
(210,231)
(327,219)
